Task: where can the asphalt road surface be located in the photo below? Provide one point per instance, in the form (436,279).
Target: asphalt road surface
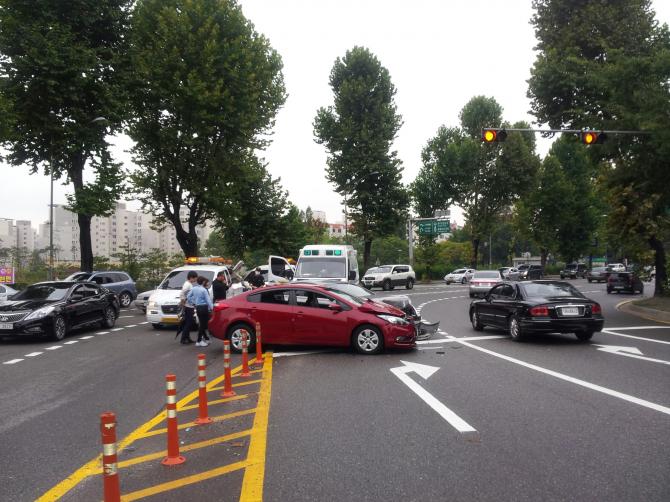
(468,416)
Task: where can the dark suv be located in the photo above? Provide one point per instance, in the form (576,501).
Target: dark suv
(574,270)
(530,272)
(624,281)
(118,282)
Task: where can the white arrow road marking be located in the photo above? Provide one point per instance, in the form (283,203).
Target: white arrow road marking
(611,331)
(33,354)
(13,361)
(577,381)
(425,372)
(628,352)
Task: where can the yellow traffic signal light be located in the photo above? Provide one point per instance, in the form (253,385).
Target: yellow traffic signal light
(592,137)
(493,135)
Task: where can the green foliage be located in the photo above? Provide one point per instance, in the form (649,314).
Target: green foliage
(358,132)
(206,93)
(608,68)
(54,83)
(434,261)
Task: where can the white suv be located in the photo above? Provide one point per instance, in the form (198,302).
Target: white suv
(389,276)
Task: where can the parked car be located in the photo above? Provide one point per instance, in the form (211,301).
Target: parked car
(574,270)
(309,314)
(389,276)
(143,299)
(506,272)
(598,274)
(54,308)
(6,292)
(482,281)
(528,273)
(460,275)
(116,281)
(617,267)
(537,307)
(627,282)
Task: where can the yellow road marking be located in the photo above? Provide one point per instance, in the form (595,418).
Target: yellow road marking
(182,449)
(93,465)
(252,485)
(217,401)
(178,483)
(220,418)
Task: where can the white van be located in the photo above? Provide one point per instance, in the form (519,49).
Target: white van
(163,306)
(327,262)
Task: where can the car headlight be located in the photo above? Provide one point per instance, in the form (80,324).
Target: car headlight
(393,319)
(152,305)
(39,313)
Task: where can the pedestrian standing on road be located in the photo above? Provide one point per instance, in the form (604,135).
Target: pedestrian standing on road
(188,309)
(199,296)
(256,279)
(220,286)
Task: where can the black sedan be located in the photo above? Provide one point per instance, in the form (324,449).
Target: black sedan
(537,307)
(54,308)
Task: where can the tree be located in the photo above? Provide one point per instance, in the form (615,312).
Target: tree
(63,68)
(358,131)
(208,88)
(608,68)
(483,179)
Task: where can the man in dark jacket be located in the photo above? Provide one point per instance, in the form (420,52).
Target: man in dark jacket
(256,279)
(220,286)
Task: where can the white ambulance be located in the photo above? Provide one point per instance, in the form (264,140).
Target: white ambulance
(327,263)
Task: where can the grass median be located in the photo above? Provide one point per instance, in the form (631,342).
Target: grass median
(657,302)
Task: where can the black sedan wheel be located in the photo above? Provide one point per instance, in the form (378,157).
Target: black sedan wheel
(474,319)
(584,336)
(109,318)
(59,328)
(367,340)
(515,329)
(125,299)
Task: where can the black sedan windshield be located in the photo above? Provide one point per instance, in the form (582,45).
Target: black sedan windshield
(52,291)
(549,290)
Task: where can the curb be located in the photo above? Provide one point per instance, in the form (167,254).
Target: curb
(646,313)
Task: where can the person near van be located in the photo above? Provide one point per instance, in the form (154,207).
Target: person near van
(187,308)
(220,286)
(199,296)
(256,279)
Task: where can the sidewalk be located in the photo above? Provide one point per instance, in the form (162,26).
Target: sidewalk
(654,308)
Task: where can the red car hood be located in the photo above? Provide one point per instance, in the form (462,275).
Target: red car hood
(377,307)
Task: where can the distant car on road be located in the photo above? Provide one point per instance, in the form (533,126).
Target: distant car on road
(482,281)
(598,274)
(574,270)
(537,307)
(626,282)
(309,314)
(508,272)
(54,308)
(528,273)
(114,280)
(143,299)
(460,275)
(617,267)
(6,292)
(389,276)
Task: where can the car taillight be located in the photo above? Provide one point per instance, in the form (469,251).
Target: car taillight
(595,309)
(219,306)
(541,311)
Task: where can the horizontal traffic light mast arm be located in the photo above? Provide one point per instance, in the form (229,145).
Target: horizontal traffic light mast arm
(569,131)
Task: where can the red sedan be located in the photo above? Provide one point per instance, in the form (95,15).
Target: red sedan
(304,314)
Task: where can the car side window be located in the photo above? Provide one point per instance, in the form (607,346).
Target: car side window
(508,292)
(78,291)
(305,298)
(2,289)
(496,292)
(276,296)
(90,291)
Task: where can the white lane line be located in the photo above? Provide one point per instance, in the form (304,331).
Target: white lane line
(54,347)
(131,326)
(85,337)
(33,354)
(117,329)
(466,338)
(145,322)
(71,342)
(576,381)
(610,331)
(627,328)
(102,332)
(13,361)
(126,316)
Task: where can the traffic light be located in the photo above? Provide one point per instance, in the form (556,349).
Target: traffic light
(493,135)
(592,137)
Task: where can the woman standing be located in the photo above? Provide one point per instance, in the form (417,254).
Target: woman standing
(199,297)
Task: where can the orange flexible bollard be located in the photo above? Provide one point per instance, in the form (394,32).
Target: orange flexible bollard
(173,456)
(110,475)
(259,346)
(203,417)
(227,384)
(245,354)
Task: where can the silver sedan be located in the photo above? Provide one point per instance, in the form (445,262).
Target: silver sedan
(482,282)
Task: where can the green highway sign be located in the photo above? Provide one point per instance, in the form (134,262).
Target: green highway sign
(434,227)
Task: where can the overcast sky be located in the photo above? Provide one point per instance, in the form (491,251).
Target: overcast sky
(439,54)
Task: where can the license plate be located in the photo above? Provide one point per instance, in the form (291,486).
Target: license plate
(618,287)
(570,311)
(6,325)
(169,320)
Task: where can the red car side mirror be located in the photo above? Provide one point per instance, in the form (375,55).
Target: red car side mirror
(335,307)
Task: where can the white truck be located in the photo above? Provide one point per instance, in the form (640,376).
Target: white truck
(327,263)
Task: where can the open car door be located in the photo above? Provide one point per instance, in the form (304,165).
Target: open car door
(279,269)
